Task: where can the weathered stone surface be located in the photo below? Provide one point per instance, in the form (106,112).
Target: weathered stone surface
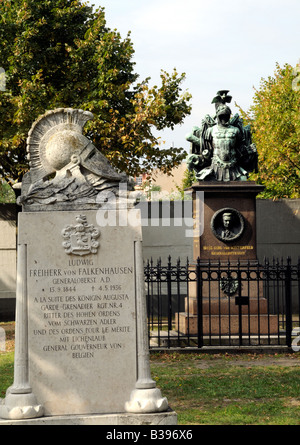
(227,324)
(166,418)
(66,169)
(82,312)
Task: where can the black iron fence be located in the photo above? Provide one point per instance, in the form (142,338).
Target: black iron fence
(222,303)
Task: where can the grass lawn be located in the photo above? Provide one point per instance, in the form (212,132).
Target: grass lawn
(230,389)
(217,389)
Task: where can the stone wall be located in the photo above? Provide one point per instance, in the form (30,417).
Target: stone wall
(7,261)
(278,228)
(167,230)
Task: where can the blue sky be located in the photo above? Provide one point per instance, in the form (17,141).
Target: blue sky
(218,44)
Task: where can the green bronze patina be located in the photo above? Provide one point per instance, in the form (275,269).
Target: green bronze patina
(222,147)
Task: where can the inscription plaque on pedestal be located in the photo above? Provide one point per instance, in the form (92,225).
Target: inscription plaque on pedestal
(81,323)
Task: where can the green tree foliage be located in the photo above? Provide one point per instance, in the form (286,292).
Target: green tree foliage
(60,53)
(189,178)
(275,121)
(7,194)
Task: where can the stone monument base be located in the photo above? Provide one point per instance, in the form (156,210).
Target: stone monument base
(165,418)
(222,316)
(227,324)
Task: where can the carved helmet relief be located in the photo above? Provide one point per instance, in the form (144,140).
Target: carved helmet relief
(48,150)
(65,166)
(57,136)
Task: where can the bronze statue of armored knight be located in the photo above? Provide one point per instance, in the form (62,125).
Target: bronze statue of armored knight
(222,148)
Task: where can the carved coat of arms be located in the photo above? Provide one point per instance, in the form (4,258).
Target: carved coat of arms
(81,238)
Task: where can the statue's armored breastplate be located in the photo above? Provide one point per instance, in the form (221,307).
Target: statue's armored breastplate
(224,140)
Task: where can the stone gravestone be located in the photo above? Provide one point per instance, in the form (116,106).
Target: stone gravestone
(222,156)
(81,354)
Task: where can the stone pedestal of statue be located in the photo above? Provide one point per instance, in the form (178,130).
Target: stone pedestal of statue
(228,235)
(235,198)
